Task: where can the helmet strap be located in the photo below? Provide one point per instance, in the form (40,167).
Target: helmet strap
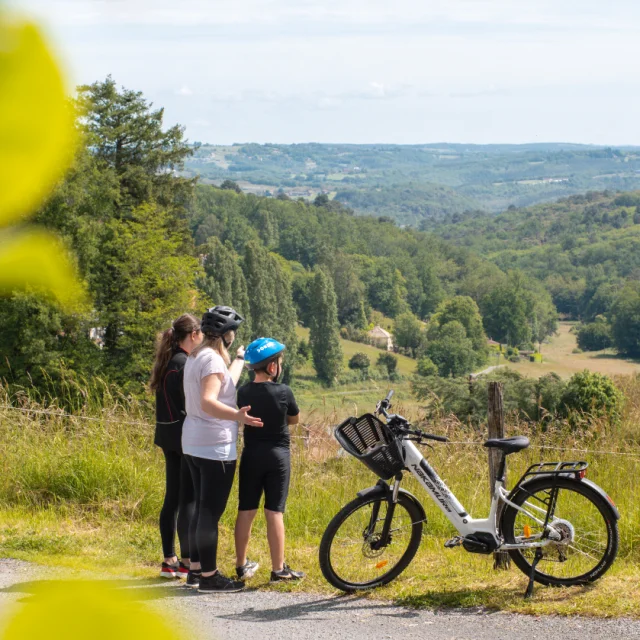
(278,371)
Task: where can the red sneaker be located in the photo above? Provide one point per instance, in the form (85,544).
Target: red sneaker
(169,570)
(182,570)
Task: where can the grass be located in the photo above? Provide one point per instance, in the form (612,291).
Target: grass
(86,494)
(559,358)
(406,366)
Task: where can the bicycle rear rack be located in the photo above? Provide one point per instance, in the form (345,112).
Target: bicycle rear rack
(556,469)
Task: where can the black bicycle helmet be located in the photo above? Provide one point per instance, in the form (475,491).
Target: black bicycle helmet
(218,320)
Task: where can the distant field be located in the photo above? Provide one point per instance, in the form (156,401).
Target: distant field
(406,366)
(558,357)
(338,402)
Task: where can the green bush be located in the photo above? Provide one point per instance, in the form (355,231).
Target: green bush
(595,336)
(389,362)
(594,395)
(535,357)
(359,361)
(426,367)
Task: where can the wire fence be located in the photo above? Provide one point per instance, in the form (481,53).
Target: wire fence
(310,436)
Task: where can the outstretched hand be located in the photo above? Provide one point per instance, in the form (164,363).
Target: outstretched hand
(246,419)
(240,351)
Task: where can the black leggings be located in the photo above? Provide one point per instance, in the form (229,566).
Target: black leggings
(179,505)
(212,482)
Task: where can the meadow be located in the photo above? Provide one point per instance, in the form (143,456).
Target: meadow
(84,493)
(559,357)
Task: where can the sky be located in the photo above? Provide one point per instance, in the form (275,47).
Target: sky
(364,71)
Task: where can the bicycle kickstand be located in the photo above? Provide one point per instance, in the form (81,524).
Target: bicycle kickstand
(529,592)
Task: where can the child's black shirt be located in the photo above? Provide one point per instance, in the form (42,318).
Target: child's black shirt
(272,402)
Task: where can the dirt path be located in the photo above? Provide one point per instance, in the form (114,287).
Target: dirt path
(283,616)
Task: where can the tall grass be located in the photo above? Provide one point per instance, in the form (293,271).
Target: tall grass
(105,476)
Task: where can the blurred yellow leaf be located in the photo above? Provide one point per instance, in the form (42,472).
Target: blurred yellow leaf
(79,610)
(36,259)
(37,136)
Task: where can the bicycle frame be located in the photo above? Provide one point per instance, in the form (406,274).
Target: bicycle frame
(464,523)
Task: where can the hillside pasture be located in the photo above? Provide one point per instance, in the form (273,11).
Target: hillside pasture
(559,358)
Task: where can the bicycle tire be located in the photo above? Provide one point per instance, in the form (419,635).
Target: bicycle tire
(599,504)
(330,572)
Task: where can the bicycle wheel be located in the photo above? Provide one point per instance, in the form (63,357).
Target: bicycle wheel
(585,522)
(349,557)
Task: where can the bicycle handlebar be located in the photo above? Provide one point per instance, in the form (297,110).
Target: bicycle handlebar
(382,407)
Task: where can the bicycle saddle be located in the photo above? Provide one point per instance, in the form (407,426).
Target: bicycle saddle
(508,445)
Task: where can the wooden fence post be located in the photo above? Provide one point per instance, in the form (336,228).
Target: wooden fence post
(495,420)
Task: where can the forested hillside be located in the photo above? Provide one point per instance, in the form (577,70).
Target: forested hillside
(151,245)
(582,247)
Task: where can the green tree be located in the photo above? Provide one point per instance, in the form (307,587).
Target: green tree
(41,346)
(389,362)
(270,300)
(595,336)
(450,350)
(350,291)
(324,336)
(387,290)
(231,185)
(465,311)
(408,332)
(224,283)
(426,367)
(505,313)
(625,320)
(148,282)
(126,135)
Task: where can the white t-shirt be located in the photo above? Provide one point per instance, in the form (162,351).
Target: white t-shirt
(204,436)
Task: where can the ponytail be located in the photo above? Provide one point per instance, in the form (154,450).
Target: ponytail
(167,343)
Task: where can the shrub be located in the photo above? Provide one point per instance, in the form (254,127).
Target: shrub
(304,350)
(359,361)
(576,350)
(389,362)
(535,357)
(426,367)
(592,394)
(595,336)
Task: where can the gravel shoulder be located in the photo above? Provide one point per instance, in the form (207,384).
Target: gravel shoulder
(272,614)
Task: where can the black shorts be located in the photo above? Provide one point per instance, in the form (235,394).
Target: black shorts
(264,469)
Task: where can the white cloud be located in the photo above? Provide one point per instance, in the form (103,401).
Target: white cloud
(366,70)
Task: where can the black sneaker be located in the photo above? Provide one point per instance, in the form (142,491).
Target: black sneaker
(286,575)
(193,579)
(247,570)
(217,583)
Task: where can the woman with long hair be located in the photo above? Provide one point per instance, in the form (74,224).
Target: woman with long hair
(172,349)
(209,440)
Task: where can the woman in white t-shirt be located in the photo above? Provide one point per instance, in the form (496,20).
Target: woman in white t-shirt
(209,437)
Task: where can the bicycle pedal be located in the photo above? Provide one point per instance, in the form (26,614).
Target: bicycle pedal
(454,542)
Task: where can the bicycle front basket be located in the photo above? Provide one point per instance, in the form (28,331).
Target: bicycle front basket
(371,441)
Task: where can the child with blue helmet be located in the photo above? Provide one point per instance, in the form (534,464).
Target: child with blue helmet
(265,465)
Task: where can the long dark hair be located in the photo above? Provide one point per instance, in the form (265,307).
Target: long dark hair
(167,343)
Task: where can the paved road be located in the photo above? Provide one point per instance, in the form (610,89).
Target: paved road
(267,615)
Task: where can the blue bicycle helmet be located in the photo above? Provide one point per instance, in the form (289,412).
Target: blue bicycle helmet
(261,351)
